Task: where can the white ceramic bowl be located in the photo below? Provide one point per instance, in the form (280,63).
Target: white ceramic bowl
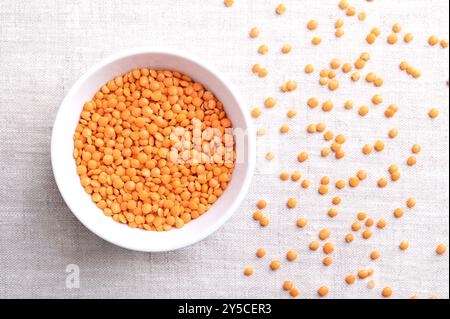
(79,201)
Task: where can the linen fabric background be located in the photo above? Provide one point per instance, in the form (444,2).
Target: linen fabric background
(46,45)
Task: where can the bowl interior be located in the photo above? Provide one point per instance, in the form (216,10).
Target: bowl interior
(79,201)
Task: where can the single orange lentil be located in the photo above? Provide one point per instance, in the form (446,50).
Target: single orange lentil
(323,81)
(369,222)
(370,77)
(302,222)
(324,234)
(327,106)
(367,234)
(377,99)
(309,68)
(291,255)
(287,285)
(350,279)
(323,190)
(386,292)
(410,202)
(286,48)
(291,203)
(256,112)
(433,113)
(339,32)
(254,32)
(381,223)
(311,128)
(262,73)
(441,249)
(328,248)
(306,183)
(433,40)
(320,127)
(376,31)
(333,85)
(340,184)
(323,291)
(356,226)
(327,261)
(325,180)
(444,43)
(360,64)
(260,252)
(263,49)
(349,237)
(248,271)
(393,133)
(347,67)
(382,182)
(270,102)
(363,274)
(340,139)
(408,37)
(275,264)
(313,102)
(294,292)
(264,222)
(332,212)
(228,3)
(284,128)
(363,110)
(361,174)
(374,255)
(280,9)
(270,156)
(351,11)
(396,28)
(404,245)
(316,40)
(348,105)
(378,146)
(314,245)
(336,200)
(328,135)
(256,68)
(355,76)
(378,82)
(296,176)
(370,38)
(416,149)
(343,4)
(261,131)
(392,38)
(258,215)
(339,154)
(365,56)
(339,23)
(411,161)
(362,16)
(312,25)
(303,156)
(361,216)
(353,181)
(291,114)
(261,204)
(398,213)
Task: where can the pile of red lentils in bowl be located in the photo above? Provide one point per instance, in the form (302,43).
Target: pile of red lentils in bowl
(154,149)
(363,224)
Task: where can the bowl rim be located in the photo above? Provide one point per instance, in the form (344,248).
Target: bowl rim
(251,147)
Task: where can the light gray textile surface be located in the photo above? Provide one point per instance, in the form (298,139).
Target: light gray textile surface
(46,45)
